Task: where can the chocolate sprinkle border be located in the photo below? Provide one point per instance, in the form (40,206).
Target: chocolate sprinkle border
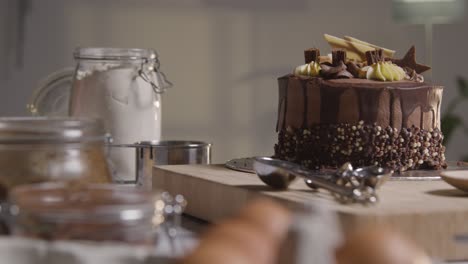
(330,145)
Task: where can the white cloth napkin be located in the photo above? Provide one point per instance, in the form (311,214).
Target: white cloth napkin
(28,251)
(17,250)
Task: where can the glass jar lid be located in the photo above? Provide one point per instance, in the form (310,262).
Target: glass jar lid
(24,130)
(146,61)
(99,53)
(61,202)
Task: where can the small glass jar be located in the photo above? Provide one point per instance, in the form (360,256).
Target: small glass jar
(102,212)
(51,149)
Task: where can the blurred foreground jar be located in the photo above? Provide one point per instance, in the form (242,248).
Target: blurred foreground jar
(99,212)
(51,149)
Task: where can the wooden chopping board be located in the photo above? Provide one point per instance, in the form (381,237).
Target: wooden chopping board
(432,213)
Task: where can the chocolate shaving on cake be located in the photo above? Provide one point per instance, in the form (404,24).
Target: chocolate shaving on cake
(311,55)
(335,72)
(330,70)
(353,68)
(344,75)
(412,75)
(409,60)
(337,69)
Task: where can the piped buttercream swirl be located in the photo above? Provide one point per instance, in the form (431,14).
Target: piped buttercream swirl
(385,71)
(310,69)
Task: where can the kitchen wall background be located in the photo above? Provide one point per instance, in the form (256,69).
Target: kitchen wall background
(223,56)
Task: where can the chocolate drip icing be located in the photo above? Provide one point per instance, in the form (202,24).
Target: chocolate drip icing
(369,104)
(410,99)
(329,109)
(421,121)
(391,110)
(283,84)
(307,101)
(306,108)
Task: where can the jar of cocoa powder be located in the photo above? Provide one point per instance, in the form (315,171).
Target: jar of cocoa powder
(51,149)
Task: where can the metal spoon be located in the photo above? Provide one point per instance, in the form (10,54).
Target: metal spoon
(345,184)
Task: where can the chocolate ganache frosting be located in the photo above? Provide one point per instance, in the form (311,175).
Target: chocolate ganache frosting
(305,101)
(373,112)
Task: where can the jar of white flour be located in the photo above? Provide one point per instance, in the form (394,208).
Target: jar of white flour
(122,87)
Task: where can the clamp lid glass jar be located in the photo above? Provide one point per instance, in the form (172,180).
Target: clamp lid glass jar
(122,87)
(43,149)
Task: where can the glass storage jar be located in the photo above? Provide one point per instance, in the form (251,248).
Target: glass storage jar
(51,149)
(94,212)
(122,87)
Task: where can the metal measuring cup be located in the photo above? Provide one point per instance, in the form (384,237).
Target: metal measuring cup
(165,152)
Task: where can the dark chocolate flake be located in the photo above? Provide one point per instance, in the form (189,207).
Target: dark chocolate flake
(311,55)
(353,68)
(338,55)
(374,56)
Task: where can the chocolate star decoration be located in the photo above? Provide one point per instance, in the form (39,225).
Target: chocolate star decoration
(409,60)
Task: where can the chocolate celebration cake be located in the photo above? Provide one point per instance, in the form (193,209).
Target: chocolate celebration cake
(359,106)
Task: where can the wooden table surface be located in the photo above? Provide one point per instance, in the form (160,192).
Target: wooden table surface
(431,212)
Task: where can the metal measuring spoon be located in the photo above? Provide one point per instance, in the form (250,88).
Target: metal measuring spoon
(346,184)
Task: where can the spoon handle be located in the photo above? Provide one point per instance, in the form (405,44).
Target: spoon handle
(323,183)
(344,184)
(348,193)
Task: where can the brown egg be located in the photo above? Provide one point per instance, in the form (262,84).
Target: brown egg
(269,217)
(380,245)
(252,237)
(221,245)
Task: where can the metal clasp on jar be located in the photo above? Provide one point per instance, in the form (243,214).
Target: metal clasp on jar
(158,81)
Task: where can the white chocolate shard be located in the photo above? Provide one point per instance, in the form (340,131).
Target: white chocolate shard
(387,52)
